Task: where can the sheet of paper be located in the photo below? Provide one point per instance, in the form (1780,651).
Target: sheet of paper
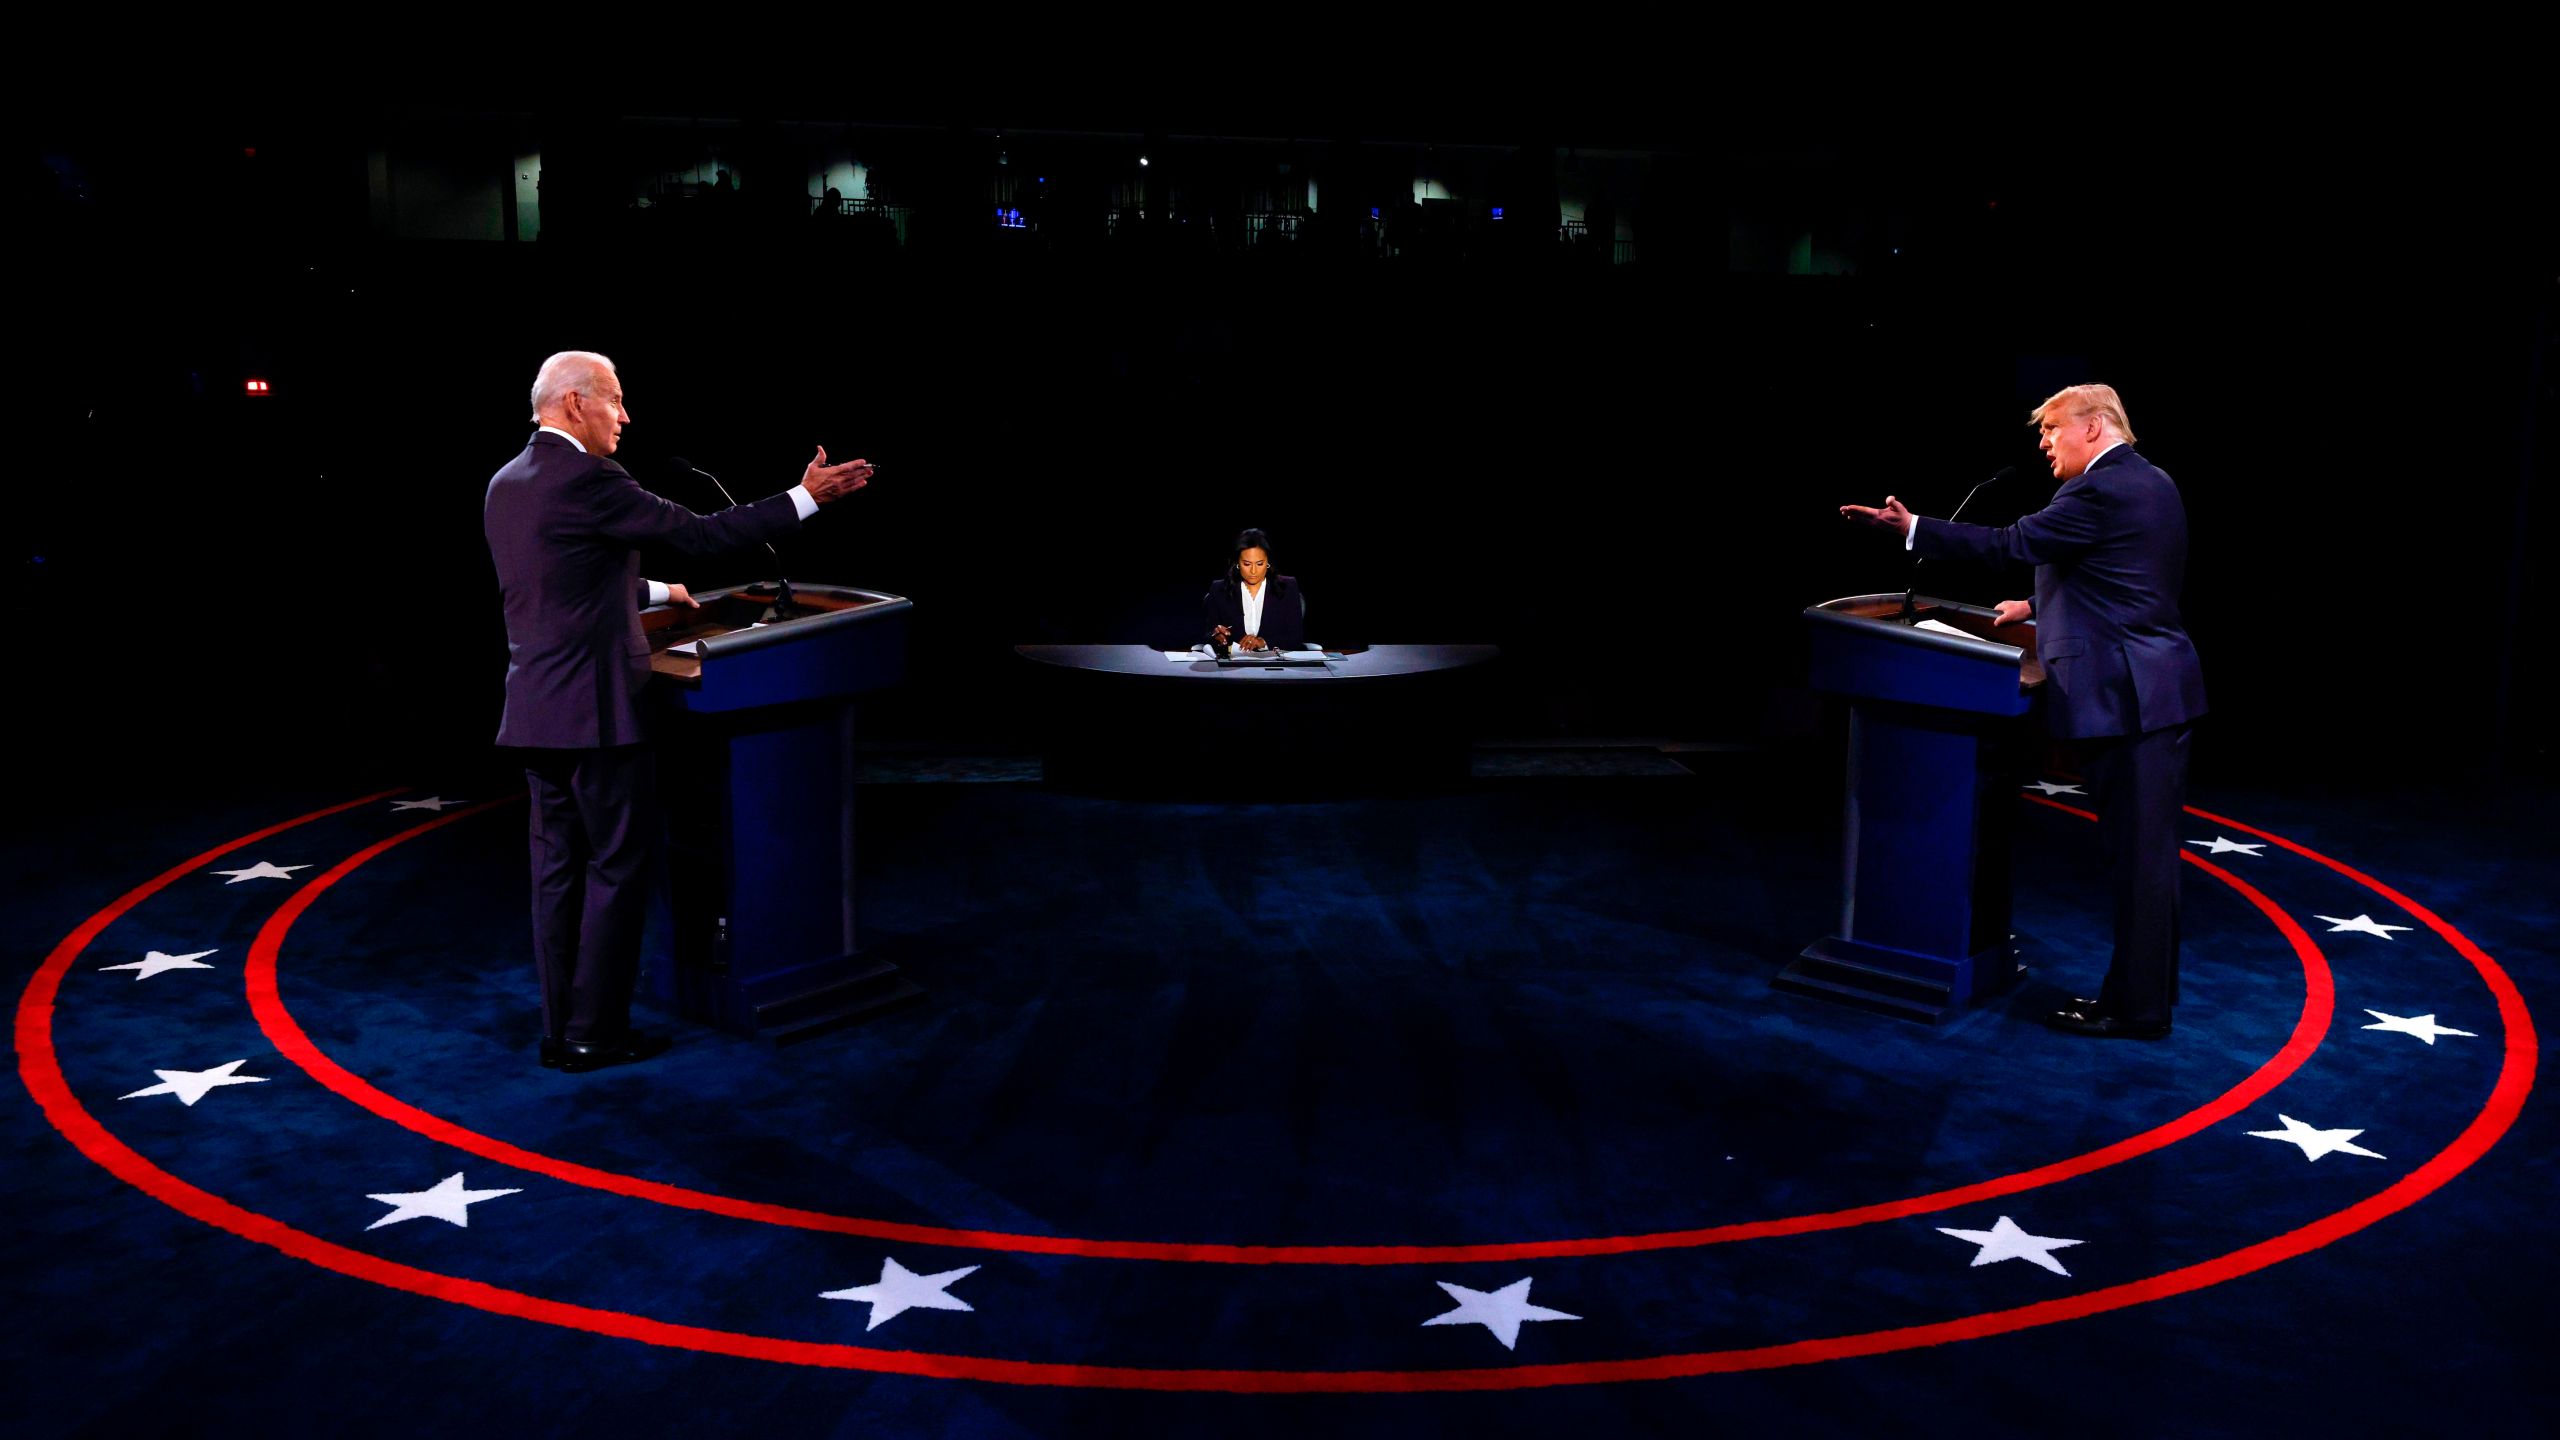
(1938,627)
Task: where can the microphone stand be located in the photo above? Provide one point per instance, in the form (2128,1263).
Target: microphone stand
(783,608)
(1912,581)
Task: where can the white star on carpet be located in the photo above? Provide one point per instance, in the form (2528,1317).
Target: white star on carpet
(437,803)
(2362,925)
(2219,846)
(2316,1143)
(2423,1026)
(156,962)
(2005,1241)
(1500,1311)
(448,1202)
(260,871)
(191,1086)
(2051,789)
(899,1290)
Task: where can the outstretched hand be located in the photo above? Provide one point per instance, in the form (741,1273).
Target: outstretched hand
(826,482)
(1890,516)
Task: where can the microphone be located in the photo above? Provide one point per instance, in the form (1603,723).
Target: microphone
(783,609)
(2003,473)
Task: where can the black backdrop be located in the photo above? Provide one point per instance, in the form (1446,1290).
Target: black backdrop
(1625,475)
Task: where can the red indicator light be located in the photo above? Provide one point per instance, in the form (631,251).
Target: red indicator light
(260,387)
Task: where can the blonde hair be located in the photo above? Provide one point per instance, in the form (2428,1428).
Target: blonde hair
(570,370)
(2078,402)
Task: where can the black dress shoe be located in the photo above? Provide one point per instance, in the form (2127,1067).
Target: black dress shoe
(580,1056)
(2108,1027)
(553,1052)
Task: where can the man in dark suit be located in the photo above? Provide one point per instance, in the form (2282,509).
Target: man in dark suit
(564,524)
(2121,677)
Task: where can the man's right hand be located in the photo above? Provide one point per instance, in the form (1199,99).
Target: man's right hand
(826,483)
(1889,516)
(2012,612)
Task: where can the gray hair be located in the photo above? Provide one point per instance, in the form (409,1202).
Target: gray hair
(569,371)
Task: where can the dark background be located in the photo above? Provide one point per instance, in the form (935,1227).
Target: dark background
(2330,318)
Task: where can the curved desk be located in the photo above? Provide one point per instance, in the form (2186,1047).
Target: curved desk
(1378,662)
(1125,718)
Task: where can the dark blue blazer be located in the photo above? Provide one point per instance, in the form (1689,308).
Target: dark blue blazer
(1284,610)
(2110,551)
(565,529)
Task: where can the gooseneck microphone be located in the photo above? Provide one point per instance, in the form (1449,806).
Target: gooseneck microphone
(2003,473)
(783,609)
(1912,581)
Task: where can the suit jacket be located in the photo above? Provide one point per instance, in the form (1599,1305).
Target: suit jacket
(565,529)
(1284,610)
(2110,551)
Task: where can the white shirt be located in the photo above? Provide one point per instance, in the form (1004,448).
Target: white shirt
(801,501)
(1253,605)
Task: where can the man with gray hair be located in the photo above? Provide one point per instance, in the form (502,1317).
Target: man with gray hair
(565,524)
(2121,677)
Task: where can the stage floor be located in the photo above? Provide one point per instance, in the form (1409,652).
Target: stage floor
(1483,1093)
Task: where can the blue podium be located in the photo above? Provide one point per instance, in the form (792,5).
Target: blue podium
(1934,714)
(754,714)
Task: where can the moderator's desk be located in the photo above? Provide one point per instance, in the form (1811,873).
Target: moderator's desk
(1123,717)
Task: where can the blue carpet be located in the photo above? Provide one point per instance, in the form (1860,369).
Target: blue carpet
(1534,1010)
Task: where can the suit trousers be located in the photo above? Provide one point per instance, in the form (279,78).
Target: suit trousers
(594,833)
(2140,785)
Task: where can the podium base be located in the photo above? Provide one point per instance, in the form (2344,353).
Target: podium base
(1898,983)
(853,998)
(791,1005)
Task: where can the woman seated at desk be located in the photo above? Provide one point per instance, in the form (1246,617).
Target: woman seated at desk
(1267,611)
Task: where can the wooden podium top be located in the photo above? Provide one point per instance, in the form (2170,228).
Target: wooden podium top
(1973,620)
(677,635)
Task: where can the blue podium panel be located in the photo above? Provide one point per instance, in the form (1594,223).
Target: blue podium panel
(755,741)
(1913,785)
(1924,915)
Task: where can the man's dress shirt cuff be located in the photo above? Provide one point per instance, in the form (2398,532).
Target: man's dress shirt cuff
(1912,533)
(803,501)
(657,591)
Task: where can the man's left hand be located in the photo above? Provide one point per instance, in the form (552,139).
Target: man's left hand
(1889,516)
(678,595)
(826,482)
